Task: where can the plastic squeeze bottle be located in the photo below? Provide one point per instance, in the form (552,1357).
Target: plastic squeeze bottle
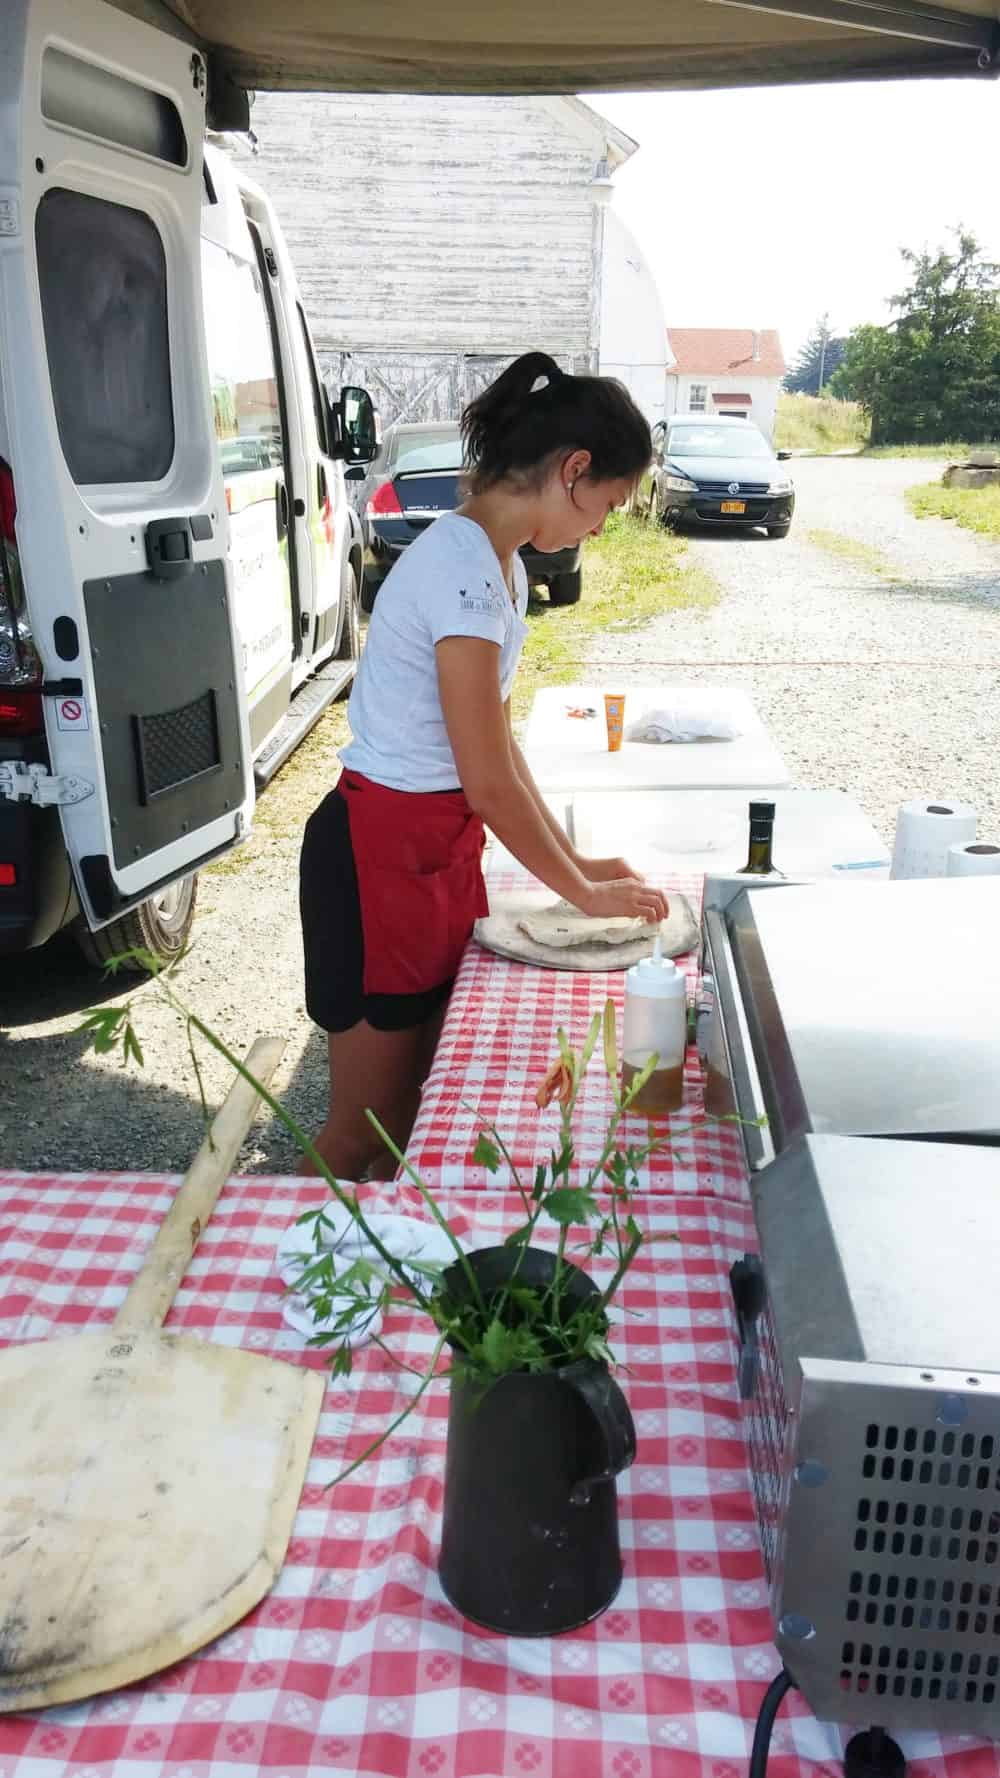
(655,1024)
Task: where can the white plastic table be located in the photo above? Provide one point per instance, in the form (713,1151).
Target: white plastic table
(817,833)
(571,753)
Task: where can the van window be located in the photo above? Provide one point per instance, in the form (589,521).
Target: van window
(246,405)
(102,277)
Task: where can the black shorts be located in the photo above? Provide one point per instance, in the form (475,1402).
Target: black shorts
(332,935)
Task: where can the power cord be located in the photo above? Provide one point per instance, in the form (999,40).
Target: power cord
(773,1698)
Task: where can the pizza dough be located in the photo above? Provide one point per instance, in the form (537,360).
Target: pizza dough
(598,947)
(562,924)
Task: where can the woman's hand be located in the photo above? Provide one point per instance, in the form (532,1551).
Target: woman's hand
(605,870)
(625,896)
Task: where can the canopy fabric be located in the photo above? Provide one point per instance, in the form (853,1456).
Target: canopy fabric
(520,46)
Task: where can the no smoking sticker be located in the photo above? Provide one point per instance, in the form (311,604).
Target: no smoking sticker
(71,713)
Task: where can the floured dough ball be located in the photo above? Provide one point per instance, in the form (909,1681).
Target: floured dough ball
(562,925)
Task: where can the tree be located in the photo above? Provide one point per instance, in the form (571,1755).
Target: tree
(816,362)
(933,374)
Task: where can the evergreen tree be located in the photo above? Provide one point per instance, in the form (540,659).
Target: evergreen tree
(816,362)
(933,374)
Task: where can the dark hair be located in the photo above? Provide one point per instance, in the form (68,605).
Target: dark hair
(516,429)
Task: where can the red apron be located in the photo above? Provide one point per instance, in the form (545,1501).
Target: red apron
(418,857)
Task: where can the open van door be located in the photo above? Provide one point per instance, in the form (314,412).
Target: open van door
(106,426)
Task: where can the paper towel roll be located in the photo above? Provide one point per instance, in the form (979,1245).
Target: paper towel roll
(924,831)
(980,859)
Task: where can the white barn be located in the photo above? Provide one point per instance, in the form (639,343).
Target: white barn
(435,238)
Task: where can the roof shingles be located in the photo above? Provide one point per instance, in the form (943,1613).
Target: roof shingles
(724,351)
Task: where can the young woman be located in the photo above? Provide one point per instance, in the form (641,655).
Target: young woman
(391,883)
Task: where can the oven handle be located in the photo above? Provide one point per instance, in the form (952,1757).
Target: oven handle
(743,1075)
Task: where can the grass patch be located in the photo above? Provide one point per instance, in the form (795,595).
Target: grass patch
(848,549)
(948,453)
(819,423)
(631,574)
(978,509)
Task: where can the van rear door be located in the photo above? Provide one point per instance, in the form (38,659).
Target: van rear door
(107,418)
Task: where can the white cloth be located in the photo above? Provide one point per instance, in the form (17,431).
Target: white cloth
(405,1237)
(447,583)
(699,720)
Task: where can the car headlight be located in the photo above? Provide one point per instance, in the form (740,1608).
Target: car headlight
(680,484)
(781,486)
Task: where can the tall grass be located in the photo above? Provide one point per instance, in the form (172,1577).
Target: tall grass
(819,423)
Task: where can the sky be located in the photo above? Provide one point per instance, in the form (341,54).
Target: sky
(769,207)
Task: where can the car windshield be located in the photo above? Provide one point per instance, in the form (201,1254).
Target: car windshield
(435,447)
(717,441)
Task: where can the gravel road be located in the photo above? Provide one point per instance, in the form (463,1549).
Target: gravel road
(871,644)
(869,640)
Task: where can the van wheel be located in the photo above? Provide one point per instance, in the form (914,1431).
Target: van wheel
(349,646)
(160,925)
(564,589)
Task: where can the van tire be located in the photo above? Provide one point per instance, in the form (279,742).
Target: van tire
(161,925)
(564,589)
(349,643)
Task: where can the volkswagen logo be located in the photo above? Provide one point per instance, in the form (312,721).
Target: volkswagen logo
(734,488)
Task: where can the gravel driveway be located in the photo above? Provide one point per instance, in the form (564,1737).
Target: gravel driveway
(877,671)
(869,639)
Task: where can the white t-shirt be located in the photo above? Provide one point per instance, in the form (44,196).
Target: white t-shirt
(447,583)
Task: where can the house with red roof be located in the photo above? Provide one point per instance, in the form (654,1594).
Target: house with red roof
(725,370)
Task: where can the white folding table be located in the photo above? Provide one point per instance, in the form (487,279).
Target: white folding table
(571,752)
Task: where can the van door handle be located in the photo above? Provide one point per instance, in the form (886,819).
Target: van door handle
(281,510)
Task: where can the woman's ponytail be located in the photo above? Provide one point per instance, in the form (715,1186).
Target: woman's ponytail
(535,411)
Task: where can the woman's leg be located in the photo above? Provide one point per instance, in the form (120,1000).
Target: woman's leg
(381,1071)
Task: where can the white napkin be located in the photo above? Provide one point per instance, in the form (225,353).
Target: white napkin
(699,720)
(405,1237)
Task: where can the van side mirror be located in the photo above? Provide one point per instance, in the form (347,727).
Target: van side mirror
(355,472)
(353,426)
(783,456)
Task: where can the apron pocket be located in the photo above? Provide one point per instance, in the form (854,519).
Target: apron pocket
(417,924)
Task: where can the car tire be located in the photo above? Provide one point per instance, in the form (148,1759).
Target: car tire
(369,593)
(349,642)
(160,925)
(778,530)
(564,589)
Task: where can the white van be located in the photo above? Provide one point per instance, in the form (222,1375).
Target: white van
(180,569)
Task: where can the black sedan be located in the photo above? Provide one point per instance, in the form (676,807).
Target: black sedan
(414,478)
(710,470)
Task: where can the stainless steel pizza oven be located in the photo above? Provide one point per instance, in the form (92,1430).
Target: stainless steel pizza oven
(870,1372)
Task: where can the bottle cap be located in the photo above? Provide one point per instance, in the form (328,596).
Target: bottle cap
(762,811)
(657,977)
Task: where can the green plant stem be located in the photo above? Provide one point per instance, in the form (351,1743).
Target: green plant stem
(369,1451)
(304,1143)
(436,1212)
(622,1267)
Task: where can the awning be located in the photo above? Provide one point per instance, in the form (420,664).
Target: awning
(732,400)
(519,46)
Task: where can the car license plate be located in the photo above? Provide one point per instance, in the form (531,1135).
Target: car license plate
(733,506)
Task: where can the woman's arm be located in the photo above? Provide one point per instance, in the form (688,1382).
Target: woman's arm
(482,744)
(595,870)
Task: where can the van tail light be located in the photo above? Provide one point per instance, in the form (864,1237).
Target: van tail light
(20,667)
(384,503)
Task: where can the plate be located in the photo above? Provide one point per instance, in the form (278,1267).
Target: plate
(733,506)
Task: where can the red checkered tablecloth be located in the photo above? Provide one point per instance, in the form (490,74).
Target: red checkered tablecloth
(356,1664)
(498,1040)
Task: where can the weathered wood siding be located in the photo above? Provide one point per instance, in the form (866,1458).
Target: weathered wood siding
(421,385)
(425,228)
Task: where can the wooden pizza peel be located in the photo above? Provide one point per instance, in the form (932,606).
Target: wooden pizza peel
(149,1480)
